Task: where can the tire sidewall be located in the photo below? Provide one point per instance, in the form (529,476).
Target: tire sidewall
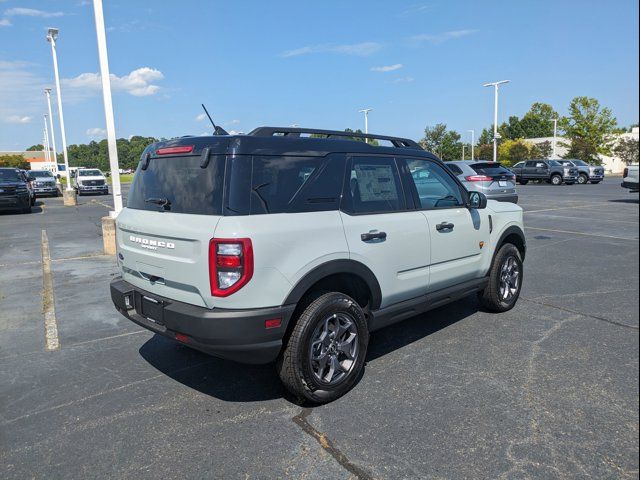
(583,179)
(331,303)
(556,180)
(504,254)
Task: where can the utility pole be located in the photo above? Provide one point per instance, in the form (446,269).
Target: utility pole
(47,149)
(473,141)
(496,86)
(366,120)
(47,91)
(108,106)
(555,137)
(68,194)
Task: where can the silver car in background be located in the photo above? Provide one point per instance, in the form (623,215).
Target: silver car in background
(491,178)
(586,172)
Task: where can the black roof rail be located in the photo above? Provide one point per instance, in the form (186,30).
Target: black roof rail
(397,142)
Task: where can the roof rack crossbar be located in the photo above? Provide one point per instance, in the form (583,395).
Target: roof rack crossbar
(397,142)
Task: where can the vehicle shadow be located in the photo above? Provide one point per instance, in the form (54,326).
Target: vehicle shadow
(234,382)
(37,208)
(625,200)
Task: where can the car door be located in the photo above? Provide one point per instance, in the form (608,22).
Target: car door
(542,170)
(529,170)
(457,233)
(382,231)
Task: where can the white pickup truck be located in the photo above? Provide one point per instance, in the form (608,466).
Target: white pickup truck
(630,179)
(90,180)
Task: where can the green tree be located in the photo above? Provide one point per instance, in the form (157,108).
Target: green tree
(512,129)
(589,127)
(433,138)
(514,151)
(15,161)
(541,150)
(484,151)
(451,148)
(486,137)
(35,148)
(538,121)
(628,149)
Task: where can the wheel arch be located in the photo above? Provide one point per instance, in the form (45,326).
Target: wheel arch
(515,236)
(337,269)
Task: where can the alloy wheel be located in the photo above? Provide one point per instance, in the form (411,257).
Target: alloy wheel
(334,348)
(509,278)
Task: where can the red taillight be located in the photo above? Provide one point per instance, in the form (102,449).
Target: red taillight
(478,178)
(230,265)
(174,150)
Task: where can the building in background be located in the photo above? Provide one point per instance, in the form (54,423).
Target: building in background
(611,164)
(36,160)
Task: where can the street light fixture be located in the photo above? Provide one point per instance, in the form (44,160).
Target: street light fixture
(473,141)
(52,35)
(47,91)
(496,86)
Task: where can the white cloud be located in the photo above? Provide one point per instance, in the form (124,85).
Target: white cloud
(96,132)
(31,12)
(18,119)
(21,91)
(4,22)
(201,117)
(387,68)
(403,80)
(415,10)
(233,122)
(443,37)
(363,49)
(138,83)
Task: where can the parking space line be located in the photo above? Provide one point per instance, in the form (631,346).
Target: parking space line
(100,203)
(48,302)
(583,218)
(588,205)
(581,233)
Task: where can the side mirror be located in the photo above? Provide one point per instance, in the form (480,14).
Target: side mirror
(477,200)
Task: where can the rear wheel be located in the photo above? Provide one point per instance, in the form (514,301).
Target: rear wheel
(523,182)
(556,180)
(325,352)
(596,182)
(505,280)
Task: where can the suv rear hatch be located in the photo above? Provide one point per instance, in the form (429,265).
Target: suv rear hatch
(163,235)
(494,178)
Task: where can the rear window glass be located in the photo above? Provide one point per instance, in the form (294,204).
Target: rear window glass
(179,185)
(456,170)
(274,184)
(490,169)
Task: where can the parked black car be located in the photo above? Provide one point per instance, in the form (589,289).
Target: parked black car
(14,191)
(549,171)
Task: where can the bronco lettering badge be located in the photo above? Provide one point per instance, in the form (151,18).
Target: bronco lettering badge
(151,244)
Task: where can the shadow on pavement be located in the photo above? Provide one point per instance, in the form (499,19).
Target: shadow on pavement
(625,200)
(235,382)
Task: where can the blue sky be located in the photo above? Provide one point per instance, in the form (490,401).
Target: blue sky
(314,64)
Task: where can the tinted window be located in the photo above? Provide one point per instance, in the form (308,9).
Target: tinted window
(89,173)
(435,187)
(530,164)
(456,170)
(374,186)
(180,180)
(41,174)
(581,163)
(9,175)
(260,185)
(553,163)
(490,169)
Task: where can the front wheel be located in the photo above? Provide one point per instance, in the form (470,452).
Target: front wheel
(523,182)
(595,182)
(583,179)
(556,180)
(505,280)
(325,352)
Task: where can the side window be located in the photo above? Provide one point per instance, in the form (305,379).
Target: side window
(373,186)
(541,165)
(519,165)
(434,186)
(530,164)
(456,170)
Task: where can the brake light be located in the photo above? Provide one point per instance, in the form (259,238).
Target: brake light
(174,150)
(230,265)
(478,178)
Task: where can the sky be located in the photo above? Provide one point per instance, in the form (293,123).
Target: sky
(311,63)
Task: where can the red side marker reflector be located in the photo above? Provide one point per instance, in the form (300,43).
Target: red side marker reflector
(174,150)
(273,323)
(181,337)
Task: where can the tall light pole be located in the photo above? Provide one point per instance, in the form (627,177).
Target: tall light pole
(108,106)
(463,145)
(555,137)
(496,86)
(47,149)
(473,141)
(47,91)
(366,118)
(52,35)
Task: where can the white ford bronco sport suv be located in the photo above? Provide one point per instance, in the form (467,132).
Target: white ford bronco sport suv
(293,245)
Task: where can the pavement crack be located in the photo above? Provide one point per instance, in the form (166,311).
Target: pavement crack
(302,420)
(575,312)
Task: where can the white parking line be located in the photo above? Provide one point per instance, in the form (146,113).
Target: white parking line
(581,233)
(48,301)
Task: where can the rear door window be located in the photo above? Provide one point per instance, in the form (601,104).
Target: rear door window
(373,186)
(180,181)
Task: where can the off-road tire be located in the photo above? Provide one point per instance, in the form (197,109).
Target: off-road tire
(490,297)
(294,365)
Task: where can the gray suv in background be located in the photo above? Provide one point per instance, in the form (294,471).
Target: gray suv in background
(491,178)
(586,172)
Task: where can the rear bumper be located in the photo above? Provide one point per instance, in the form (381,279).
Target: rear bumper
(15,202)
(630,185)
(238,335)
(512,198)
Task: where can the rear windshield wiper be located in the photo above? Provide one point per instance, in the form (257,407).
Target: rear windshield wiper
(163,202)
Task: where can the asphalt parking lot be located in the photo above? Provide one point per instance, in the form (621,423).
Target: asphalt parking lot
(547,390)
